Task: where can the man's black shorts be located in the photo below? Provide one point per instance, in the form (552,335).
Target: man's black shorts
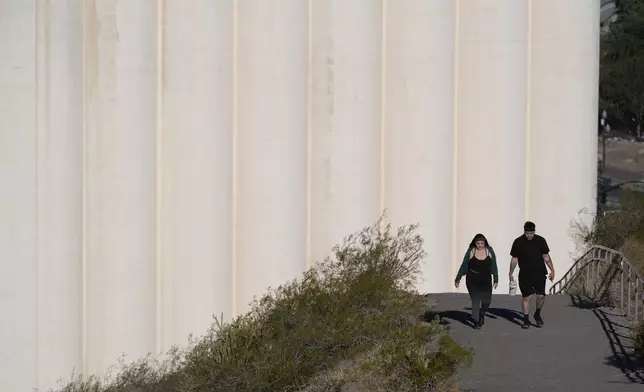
(532,283)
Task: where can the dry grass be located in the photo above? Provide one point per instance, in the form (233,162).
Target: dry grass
(638,339)
(354,323)
(633,250)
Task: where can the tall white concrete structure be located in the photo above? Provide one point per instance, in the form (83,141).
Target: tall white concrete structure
(162,162)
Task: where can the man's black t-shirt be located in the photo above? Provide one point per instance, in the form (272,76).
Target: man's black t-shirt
(530,253)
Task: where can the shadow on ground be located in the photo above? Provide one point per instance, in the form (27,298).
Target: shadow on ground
(465,317)
(618,337)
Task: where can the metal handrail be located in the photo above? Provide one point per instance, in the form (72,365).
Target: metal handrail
(630,282)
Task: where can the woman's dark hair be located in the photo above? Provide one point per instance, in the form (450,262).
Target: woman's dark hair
(479,237)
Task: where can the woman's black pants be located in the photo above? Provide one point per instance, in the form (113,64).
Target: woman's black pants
(480,288)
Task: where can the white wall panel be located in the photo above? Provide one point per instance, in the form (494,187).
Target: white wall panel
(346,77)
(121,43)
(419,106)
(491,121)
(562,171)
(197,170)
(60,203)
(164,163)
(18,227)
(271,144)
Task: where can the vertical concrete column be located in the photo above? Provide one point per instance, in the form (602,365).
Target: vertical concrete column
(18,176)
(121,280)
(491,124)
(419,122)
(562,149)
(197,167)
(59,51)
(346,123)
(270,144)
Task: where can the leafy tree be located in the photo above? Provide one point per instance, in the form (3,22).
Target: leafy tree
(621,86)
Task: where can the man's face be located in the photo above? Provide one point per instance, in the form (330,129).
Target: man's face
(529,234)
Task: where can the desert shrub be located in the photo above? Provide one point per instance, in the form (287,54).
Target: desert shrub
(623,230)
(351,323)
(362,298)
(618,226)
(398,365)
(144,375)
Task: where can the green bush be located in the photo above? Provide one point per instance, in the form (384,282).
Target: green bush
(352,323)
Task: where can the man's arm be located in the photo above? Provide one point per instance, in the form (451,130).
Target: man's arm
(546,258)
(513,264)
(514,252)
(551,267)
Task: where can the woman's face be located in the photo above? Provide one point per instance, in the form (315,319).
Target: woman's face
(480,244)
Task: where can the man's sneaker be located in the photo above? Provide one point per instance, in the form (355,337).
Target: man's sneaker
(526,322)
(538,319)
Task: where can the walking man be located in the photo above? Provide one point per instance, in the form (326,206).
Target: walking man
(531,253)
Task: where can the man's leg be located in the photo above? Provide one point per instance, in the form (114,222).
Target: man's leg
(540,290)
(526,310)
(527,288)
(526,304)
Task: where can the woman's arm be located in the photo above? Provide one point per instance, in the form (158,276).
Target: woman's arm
(464,266)
(495,269)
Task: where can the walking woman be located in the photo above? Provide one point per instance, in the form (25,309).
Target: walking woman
(479,267)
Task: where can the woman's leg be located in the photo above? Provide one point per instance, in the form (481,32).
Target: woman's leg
(486,299)
(476,305)
(475,296)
